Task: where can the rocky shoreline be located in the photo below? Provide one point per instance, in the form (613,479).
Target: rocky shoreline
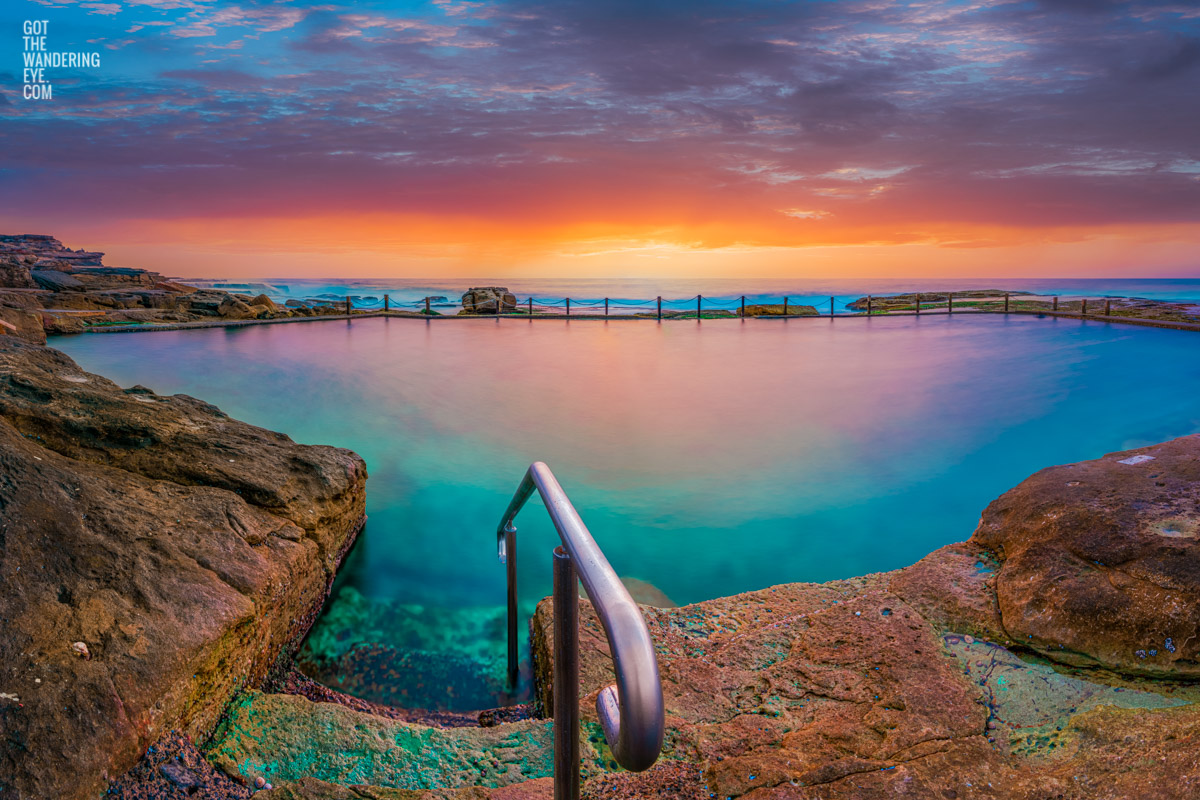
(158,558)
(162,564)
(49,289)
(46,288)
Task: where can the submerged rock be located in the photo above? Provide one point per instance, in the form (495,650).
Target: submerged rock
(185,551)
(413,656)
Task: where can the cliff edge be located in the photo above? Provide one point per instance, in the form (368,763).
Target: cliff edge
(156,556)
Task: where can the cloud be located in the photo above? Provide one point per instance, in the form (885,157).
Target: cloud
(892,120)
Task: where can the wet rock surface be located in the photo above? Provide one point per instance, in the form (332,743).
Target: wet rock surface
(286,738)
(1099,562)
(414,656)
(156,557)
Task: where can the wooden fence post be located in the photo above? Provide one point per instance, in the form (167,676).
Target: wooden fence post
(697,306)
(347,305)
(568,306)
(744,306)
(606,308)
(831,308)
(660,308)
(1055,306)
(427,310)
(1083,308)
(868,305)
(385,304)
(918,302)
(1006,302)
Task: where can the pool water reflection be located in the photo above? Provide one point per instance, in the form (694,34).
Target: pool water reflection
(706,458)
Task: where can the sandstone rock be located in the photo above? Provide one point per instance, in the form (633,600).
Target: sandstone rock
(1100,560)
(159,299)
(843,690)
(23,324)
(793,309)
(14,273)
(233,308)
(313,789)
(954,589)
(57,324)
(887,302)
(174,288)
(56,281)
(290,738)
(18,299)
(78,301)
(206,302)
(187,551)
(489,300)
(265,302)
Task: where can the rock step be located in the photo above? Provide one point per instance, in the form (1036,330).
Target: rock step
(283,738)
(411,656)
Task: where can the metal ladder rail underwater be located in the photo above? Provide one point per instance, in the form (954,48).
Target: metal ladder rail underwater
(631,712)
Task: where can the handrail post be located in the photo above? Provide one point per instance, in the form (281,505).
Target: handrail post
(631,711)
(566,677)
(510,568)
(660,308)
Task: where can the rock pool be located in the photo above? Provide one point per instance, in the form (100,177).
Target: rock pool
(707,459)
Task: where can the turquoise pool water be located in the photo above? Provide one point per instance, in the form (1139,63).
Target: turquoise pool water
(707,458)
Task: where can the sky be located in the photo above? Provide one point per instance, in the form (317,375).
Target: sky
(861,138)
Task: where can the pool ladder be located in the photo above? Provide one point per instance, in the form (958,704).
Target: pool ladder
(631,712)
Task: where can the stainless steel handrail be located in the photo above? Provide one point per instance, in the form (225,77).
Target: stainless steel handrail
(631,712)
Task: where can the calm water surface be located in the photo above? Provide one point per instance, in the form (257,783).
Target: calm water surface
(707,459)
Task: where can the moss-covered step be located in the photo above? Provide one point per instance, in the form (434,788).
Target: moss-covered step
(282,737)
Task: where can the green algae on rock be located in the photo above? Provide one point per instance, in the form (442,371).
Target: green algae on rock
(284,737)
